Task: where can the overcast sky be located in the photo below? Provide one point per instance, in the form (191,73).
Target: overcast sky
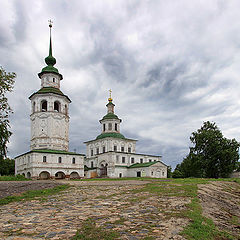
(170,64)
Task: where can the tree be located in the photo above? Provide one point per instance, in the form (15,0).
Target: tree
(6,85)
(7,166)
(212,155)
(169,171)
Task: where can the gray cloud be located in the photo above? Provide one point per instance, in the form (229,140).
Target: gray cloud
(171,65)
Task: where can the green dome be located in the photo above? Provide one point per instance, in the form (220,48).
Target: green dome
(50,60)
(110,116)
(113,135)
(50,69)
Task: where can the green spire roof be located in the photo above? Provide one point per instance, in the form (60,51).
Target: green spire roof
(50,60)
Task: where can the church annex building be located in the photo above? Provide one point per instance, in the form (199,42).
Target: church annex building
(109,155)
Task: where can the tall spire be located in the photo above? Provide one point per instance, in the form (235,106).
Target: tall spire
(50,60)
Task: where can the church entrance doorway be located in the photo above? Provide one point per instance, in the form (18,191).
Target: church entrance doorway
(138,174)
(103,170)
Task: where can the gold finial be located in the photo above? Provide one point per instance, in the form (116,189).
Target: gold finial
(50,23)
(110,95)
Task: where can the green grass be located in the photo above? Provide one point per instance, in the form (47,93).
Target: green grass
(89,231)
(29,195)
(13,178)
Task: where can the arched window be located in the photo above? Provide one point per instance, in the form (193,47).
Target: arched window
(53,79)
(44,159)
(57,106)
(59,160)
(44,106)
(34,107)
(73,161)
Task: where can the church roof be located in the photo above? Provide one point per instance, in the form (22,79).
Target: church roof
(147,164)
(46,90)
(110,116)
(52,151)
(110,134)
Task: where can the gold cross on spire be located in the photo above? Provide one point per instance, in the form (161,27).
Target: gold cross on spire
(110,95)
(50,23)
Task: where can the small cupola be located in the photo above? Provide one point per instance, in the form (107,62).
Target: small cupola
(110,122)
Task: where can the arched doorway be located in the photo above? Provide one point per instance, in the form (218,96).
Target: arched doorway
(60,175)
(23,174)
(74,175)
(44,175)
(28,175)
(103,170)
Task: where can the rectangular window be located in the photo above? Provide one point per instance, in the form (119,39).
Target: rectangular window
(91,152)
(132,160)
(115,148)
(122,149)
(116,127)
(117,159)
(109,126)
(141,160)
(59,160)
(97,150)
(123,159)
(104,149)
(91,164)
(129,149)
(104,127)
(44,159)
(73,161)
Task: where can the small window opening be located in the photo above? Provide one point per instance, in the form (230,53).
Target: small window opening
(56,106)
(104,149)
(132,160)
(59,160)
(44,159)
(109,126)
(73,161)
(129,149)
(104,127)
(116,127)
(97,150)
(91,164)
(53,79)
(123,159)
(34,106)
(150,160)
(44,106)
(115,148)
(66,109)
(141,160)
(91,152)
(122,149)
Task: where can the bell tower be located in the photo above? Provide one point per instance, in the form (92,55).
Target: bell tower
(49,113)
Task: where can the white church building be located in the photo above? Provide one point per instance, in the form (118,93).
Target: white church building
(109,155)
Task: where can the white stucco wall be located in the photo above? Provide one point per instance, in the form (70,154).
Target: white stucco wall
(33,163)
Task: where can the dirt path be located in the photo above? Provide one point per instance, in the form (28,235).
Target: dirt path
(112,205)
(117,206)
(8,188)
(221,203)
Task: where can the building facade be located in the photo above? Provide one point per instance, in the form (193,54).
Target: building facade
(109,155)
